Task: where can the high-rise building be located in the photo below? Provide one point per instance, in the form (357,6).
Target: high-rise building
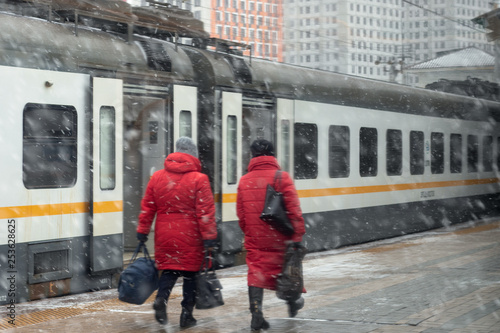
(257,23)
(375,38)
(433,26)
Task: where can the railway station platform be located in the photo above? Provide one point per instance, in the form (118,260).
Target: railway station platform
(445,280)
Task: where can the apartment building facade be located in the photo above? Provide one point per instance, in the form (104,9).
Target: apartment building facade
(257,23)
(376,38)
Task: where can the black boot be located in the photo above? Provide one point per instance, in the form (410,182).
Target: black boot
(256,296)
(187,319)
(188,299)
(295,306)
(160,307)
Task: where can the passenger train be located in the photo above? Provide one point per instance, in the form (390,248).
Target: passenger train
(93,97)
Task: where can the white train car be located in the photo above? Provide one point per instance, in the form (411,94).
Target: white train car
(93,98)
(61,136)
(373,160)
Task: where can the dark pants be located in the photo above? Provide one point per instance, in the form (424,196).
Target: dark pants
(167,281)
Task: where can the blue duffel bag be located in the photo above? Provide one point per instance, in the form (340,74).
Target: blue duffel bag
(139,280)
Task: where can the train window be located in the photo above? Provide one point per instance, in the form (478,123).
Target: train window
(456,153)
(394,152)
(488,153)
(416,153)
(153,132)
(258,122)
(306,151)
(498,153)
(185,124)
(368,151)
(437,153)
(285,145)
(232,150)
(472,153)
(338,151)
(49,146)
(107,151)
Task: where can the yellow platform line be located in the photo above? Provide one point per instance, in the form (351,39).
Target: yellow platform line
(38,317)
(480,228)
(390,247)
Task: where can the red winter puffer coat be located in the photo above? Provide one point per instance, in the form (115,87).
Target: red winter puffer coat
(265,246)
(181,198)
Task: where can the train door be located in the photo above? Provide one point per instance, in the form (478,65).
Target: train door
(258,122)
(245,118)
(185,115)
(154,141)
(157,123)
(147,138)
(231,152)
(106,207)
(154,120)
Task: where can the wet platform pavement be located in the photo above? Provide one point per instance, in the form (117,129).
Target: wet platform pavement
(445,280)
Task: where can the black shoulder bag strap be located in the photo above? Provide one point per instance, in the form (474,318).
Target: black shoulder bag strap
(277,176)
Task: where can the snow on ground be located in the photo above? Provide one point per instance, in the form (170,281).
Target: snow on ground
(332,264)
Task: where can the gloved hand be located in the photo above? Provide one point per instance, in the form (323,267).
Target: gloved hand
(210,244)
(142,237)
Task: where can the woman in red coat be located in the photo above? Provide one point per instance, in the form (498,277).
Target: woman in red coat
(265,246)
(180,198)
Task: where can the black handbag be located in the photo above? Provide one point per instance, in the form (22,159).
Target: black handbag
(139,280)
(290,282)
(208,287)
(274,212)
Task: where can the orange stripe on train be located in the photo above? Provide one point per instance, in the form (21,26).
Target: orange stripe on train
(323,192)
(59,209)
